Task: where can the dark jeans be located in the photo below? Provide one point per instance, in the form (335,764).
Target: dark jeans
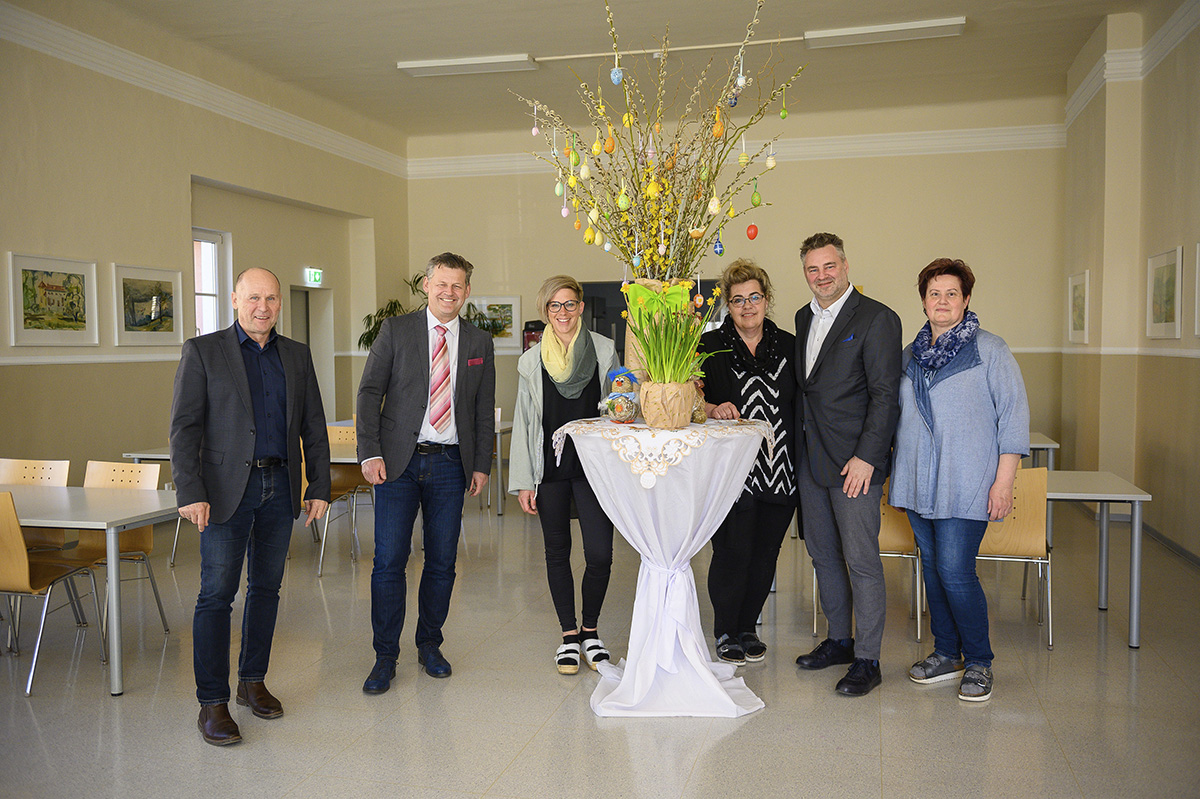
(259,531)
(957,606)
(434,484)
(745,549)
(554,511)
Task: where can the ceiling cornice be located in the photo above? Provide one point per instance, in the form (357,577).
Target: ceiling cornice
(54,39)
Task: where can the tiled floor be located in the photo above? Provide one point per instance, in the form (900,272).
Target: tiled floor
(1091,718)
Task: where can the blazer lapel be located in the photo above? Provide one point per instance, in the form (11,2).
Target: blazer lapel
(460,373)
(237,367)
(836,331)
(290,371)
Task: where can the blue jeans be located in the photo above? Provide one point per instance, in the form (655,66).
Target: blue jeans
(259,531)
(434,484)
(957,606)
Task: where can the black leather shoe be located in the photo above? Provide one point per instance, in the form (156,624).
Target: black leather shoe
(828,653)
(860,679)
(380,678)
(255,696)
(217,726)
(431,658)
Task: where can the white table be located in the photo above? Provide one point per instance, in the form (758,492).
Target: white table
(667,492)
(1104,488)
(338,453)
(108,509)
(1044,444)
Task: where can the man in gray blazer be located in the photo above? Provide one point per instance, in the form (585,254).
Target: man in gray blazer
(245,399)
(425,430)
(848,367)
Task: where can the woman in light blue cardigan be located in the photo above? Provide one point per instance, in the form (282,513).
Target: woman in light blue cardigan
(964,427)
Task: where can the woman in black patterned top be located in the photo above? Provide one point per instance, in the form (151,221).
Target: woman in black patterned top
(754,379)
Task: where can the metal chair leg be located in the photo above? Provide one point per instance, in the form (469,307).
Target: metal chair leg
(354,545)
(175,545)
(73,601)
(1049,608)
(154,584)
(103,629)
(324,538)
(37,644)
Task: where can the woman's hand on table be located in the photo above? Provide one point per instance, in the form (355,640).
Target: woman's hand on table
(726,410)
(528,500)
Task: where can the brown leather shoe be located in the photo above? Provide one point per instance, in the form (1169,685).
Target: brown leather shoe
(217,726)
(256,696)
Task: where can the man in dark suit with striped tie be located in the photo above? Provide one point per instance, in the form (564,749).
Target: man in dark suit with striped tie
(425,429)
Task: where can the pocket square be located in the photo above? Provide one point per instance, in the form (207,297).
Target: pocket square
(848,338)
(474,361)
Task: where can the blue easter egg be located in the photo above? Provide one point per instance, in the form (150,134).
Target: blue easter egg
(616,76)
(733,101)
(719,248)
(637,261)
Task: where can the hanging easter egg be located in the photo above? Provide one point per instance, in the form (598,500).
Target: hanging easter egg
(623,201)
(718,247)
(565,212)
(599,238)
(731,212)
(704,173)
(652,189)
(718,127)
(662,249)
(732,100)
(752,232)
(597,146)
(567,150)
(756,199)
(743,159)
(593,215)
(578,224)
(572,180)
(610,144)
(658,127)
(714,205)
(575,203)
(696,232)
(535,130)
(615,76)
(637,261)
(741,81)
(783,113)
(627,120)
(585,171)
(771,161)
(589,235)
(669,163)
(574,158)
(607,246)
(651,153)
(558,188)
(698,301)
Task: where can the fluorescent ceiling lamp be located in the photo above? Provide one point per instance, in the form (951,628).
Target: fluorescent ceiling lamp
(896,32)
(520,62)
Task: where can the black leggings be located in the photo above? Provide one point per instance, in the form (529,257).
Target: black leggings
(745,548)
(554,510)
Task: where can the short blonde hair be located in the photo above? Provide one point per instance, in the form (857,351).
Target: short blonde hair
(552,286)
(741,271)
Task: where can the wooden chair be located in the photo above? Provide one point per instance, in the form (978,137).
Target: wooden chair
(346,482)
(1021,537)
(895,541)
(49,473)
(135,544)
(23,575)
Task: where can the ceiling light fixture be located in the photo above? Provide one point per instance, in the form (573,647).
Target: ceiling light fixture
(895,32)
(520,62)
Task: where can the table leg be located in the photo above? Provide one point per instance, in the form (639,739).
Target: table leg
(1050,460)
(1102,559)
(499,477)
(113,576)
(1135,574)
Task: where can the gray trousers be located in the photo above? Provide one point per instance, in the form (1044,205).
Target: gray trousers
(842,536)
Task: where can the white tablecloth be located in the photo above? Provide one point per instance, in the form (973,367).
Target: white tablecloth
(667,492)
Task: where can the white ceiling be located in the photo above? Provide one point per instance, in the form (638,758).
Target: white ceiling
(347,50)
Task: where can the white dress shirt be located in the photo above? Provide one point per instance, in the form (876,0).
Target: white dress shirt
(429,434)
(818,328)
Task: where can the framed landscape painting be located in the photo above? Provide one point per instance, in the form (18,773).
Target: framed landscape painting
(53,302)
(146,306)
(1077,307)
(1162,294)
(501,316)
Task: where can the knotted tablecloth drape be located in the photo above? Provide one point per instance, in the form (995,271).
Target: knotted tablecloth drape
(667,491)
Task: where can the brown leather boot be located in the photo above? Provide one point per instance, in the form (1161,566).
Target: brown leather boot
(217,726)
(256,696)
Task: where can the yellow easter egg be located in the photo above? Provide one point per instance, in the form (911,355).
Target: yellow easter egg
(589,235)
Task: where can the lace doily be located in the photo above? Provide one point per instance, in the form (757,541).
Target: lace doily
(650,451)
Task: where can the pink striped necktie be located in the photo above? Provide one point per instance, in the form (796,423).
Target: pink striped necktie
(439,383)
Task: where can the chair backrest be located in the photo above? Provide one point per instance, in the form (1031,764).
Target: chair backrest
(14,560)
(1022,533)
(895,533)
(342,434)
(110,474)
(115,474)
(26,472)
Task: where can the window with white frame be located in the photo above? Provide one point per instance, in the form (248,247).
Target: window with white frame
(213,273)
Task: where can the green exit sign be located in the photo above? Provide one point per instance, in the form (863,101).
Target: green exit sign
(312,276)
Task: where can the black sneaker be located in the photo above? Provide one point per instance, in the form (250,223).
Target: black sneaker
(860,679)
(755,649)
(730,651)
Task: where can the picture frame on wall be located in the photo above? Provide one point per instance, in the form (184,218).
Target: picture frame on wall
(1078,304)
(500,316)
(146,306)
(53,302)
(1163,279)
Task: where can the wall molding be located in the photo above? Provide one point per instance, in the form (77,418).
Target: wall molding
(59,41)
(54,359)
(1116,66)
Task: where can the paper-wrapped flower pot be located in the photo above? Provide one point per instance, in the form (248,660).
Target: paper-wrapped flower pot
(668,406)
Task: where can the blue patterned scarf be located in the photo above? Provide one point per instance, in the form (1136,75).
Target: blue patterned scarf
(934,356)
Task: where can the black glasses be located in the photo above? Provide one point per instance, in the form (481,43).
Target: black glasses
(569,306)
(739,301)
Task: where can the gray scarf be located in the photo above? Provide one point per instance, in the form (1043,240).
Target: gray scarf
(583,366)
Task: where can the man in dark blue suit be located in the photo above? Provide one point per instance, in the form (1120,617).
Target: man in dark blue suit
(425,432)
(848,367)
(245,398)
